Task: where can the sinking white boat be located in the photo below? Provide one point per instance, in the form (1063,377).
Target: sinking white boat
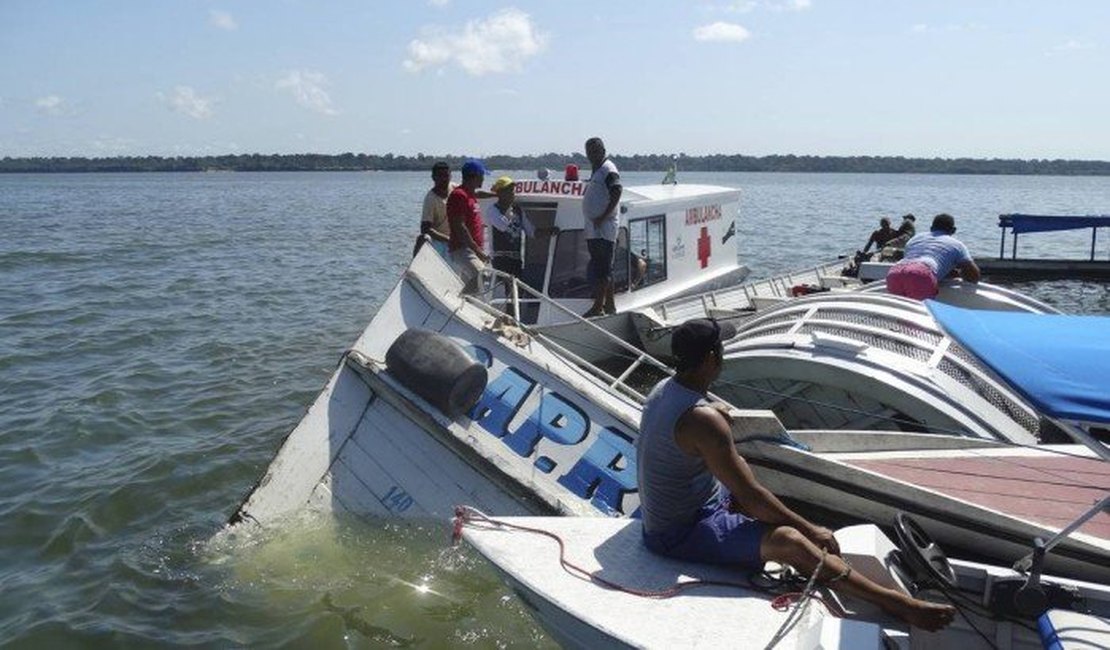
(585,595)
(673,240)
(545,435)
(443,400)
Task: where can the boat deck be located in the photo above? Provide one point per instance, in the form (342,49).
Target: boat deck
(1045,269)
(1049,490)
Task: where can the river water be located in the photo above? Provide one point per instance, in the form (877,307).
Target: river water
(160,334)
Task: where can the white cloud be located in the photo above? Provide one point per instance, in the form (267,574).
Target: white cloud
(740,6)
(722,32)
(500,43)
(222,20)
(307,88)
(1072,46)
(439,3)
(919,28)
(798,5)
(186,101)
(53,105)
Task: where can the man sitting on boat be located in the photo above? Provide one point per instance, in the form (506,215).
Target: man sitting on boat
(892,252)
(701,502)
(881,236)
(930,257)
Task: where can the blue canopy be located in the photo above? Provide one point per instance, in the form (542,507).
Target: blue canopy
(1043,223)
(1059,363)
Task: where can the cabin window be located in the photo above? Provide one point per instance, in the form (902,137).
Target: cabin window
(648,261)
(568,269)
(542,216)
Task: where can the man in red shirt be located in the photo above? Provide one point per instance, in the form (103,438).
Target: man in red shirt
(465,217)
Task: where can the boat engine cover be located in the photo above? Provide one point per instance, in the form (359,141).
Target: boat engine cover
(437,369)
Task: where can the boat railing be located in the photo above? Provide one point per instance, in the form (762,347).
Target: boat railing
(743,296)
(484,299)
(1006,295)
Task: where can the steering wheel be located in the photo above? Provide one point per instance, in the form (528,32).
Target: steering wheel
(927,561)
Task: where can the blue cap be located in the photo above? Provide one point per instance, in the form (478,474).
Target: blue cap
(474,166)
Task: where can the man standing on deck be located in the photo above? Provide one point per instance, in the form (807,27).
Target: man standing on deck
(930,257)
(465,218)
(509,228)
(599,209)
(701,502)
(433,219)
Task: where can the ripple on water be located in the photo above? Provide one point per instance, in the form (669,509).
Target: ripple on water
(161,334)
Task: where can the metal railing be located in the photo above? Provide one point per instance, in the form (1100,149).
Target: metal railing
(491,278)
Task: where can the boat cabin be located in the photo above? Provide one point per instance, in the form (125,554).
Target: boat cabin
(673,240)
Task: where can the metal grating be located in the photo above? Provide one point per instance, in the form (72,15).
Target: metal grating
(984,389)
(872,339)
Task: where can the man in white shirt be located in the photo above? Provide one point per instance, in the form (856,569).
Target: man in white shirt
(601,220)
(508,228)
(433,218)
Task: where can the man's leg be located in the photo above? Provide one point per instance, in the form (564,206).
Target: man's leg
(469,268)
(595,278)
(786,545)
(607,250)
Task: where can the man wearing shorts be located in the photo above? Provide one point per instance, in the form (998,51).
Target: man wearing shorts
(929,258)
(701,503)
(599,209)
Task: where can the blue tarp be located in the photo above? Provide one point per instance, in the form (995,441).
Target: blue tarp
(1043,223)
(1060,363)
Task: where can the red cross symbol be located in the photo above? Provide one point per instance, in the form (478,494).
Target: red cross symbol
(705,248)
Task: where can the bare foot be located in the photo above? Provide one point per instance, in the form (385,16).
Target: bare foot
(922,613)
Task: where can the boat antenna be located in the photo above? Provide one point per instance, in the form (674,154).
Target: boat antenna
(671,178)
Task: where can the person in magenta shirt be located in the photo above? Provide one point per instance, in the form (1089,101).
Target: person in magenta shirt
(466,247)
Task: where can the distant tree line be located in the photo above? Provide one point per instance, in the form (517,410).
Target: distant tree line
(556,161)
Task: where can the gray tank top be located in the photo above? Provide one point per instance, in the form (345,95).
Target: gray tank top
(673,484)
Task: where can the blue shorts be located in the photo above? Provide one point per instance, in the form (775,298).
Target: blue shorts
(717,537)
(601,260)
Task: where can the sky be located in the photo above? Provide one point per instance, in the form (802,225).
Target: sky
(927,78)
